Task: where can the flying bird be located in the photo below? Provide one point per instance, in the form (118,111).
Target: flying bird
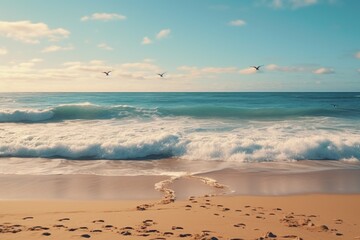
(257,67)
(161,74)
(334,105)
(107,73)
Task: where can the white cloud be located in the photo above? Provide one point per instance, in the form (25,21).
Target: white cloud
(103,17)
(146,41)
(24,66)
(274,67)
(28,32)
(294,4)
(323,70)
(218,70)
(357,55)
(298,69)
(237,23)
(105,47)
(3,51)
(55,48)
(163,33)
(249,70)
(192,72)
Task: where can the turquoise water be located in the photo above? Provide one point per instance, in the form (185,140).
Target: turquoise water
(225,127)
(252,106)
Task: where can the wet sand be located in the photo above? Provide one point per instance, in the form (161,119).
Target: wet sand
(322,205)
(237,182)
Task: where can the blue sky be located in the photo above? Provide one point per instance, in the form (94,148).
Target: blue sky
(203,45)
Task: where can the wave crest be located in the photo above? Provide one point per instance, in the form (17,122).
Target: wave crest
(81,111)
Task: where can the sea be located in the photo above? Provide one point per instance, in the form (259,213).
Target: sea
(129,134)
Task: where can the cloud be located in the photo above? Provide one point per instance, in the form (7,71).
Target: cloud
(323,70)
(205,72)
(28,32)
(55,48)
(249,70)
(163,33)
(146,41)
(299,69)
(357,55)
(103,17)
(25,65)
(134,70)
(274,67)
(293,4)
(237,23)
(105,47)
(3,51)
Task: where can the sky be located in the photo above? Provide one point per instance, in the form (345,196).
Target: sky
(202,45)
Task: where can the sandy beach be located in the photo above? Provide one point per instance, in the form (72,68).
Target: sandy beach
(190,207)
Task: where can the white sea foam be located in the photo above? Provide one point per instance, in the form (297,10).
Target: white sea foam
(162,138)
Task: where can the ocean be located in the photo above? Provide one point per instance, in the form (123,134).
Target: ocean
(171,133)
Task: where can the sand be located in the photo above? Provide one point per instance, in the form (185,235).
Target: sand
(146,207)
(231,217)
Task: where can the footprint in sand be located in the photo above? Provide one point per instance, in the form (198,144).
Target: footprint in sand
(98,221)
(26,218)
(127,228)
(125,233)
(59,226)
(144,235)
(149,222)
(338,221)
(292,237)
(182,235)
(240,225)
(64,219)
(96,230)
(85,236)
(176,228)
(38,228)
(168,234)
(269,235)
(46,234)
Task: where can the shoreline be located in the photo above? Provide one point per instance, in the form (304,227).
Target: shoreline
(219,182)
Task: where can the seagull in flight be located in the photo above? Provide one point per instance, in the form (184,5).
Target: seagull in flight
(334,105)
(257,67)
(107,73)
(161,74)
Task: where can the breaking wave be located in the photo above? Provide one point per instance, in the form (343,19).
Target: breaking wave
(88,111)
(180,138)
